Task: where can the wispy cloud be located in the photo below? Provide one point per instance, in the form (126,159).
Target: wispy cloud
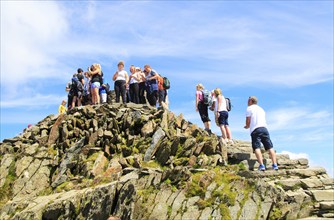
(35,101)
(40,37)
(298,118)
(30,32)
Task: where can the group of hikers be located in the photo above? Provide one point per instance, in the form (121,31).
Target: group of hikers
(255,121)
(137,87)
(142,86)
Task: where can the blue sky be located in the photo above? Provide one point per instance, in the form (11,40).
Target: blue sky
(279,51)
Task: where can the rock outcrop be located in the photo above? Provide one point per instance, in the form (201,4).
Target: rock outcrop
(138,162)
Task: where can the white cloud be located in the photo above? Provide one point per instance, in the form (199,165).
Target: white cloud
(35,101)
(295,118)
(30,32)
(40,37)
(295,156)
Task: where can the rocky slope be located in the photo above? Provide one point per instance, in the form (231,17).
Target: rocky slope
(137,162)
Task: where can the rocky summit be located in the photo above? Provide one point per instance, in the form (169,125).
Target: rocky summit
(136,162)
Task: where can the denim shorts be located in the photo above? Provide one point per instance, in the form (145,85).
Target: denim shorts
(95,85)
(261,135)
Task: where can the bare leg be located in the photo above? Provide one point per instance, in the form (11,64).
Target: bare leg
(207,125)
(228,133)
(74,101)
(272,155)
(223,130)
(258,155)
(93,96)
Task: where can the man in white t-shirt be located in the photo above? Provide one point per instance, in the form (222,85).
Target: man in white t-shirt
(256,122)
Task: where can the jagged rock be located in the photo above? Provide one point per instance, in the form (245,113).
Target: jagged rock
(137,162)
(99,164)
(54,133)
(158,135)
(163,152)
(6,162)
(67,163)
(31,149)
(32,180)
(148,129)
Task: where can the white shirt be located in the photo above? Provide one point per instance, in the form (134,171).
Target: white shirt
(121,75)
(258,117)
(222,105)
(133,80)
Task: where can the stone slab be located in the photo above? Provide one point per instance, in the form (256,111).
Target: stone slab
(323,195)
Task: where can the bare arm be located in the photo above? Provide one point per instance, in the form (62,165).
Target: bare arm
(126,78)
(115,76)
(135,76)
(154,77)
(248,120)
(197,100)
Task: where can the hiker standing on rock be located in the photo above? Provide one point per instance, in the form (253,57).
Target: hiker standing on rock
(96,73)
(202,107)
(256,122)
(151,85)
(134,85)
(121,79)
(221,115)
(142,99)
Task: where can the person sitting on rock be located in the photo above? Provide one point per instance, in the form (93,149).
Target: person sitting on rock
(256,122)
(202,108)
(221,114)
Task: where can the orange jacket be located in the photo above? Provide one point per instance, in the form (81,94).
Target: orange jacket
(160,83)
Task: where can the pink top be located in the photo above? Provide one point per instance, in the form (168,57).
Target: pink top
(199,95)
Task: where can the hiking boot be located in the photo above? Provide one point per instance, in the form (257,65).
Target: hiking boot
(262,167)
(275,167)
(209,131)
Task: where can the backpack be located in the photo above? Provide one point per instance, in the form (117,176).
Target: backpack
(207,98)
(166,83)
(106,87)
(228,104)
(76,84)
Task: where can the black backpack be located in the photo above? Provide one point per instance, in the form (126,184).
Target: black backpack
(77,85)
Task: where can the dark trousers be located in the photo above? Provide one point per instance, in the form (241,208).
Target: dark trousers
(142,89)
(203,112)
(134,93)
(152,98)
(162,95)
(120,90)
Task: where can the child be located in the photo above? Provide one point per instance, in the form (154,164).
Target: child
(62,109)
